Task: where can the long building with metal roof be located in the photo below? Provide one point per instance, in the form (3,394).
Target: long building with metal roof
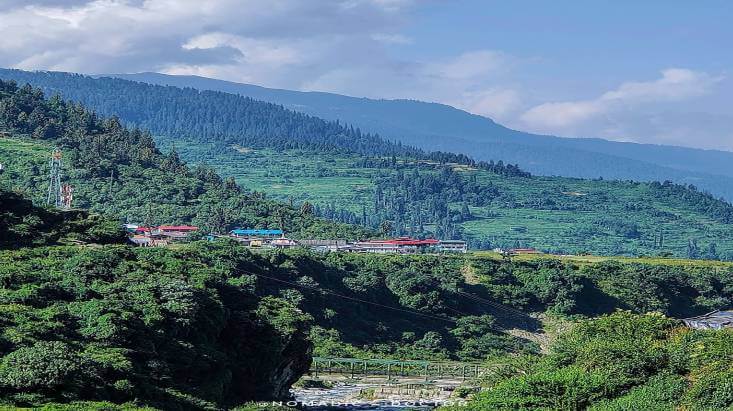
(715,320)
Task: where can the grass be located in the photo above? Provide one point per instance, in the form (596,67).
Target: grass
(576,224)
(593,259)
(18,156)
(293,175)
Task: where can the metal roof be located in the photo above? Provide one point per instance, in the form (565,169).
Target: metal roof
(401,241)
(178,228)
(250,231)
(713,320)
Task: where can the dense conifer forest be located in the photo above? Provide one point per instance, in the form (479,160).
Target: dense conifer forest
(172,113)
(119,172)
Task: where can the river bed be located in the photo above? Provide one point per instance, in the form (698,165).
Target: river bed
(348,396)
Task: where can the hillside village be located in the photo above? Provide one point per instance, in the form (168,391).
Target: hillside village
(165,235)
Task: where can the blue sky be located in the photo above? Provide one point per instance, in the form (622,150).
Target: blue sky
(648,71)
(598,43)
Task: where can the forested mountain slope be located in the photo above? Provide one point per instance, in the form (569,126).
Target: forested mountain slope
(120,172)
(422,198)
(415,193)
(440,127)
(173,113)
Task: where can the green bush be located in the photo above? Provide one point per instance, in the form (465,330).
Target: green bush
(569,388)
(43,366)
(621,361)
(660,393)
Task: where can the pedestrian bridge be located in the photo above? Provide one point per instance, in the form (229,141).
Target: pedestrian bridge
(358,367)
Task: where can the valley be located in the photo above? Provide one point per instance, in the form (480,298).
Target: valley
(433,126)
(90,321)
(553,214)
(366,205)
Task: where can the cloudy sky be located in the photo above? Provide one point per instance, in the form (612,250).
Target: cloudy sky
(656,71)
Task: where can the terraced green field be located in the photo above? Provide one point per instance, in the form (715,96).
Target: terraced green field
(563,215)
(292,175)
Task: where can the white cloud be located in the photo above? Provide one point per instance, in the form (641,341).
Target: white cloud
(561,115)
(675,84)
(133,35)
(328,45)
(470,81)
(348,47)
(392,38)
(496,103)
(469,65)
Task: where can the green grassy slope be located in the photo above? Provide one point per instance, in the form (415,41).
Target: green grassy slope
(550,213)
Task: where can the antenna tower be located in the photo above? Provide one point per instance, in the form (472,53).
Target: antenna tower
(67,196)
(54,196)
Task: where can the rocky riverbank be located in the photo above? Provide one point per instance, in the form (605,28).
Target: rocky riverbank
(377,394)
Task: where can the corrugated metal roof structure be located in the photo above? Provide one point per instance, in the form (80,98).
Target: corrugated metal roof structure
(178,228)
(404,241)
(715,320)
(249,231)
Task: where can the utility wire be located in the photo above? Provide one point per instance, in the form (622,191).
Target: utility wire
(413,312)
(350,298)
(494,304)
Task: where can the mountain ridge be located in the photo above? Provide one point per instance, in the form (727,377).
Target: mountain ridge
(298,158)
(436,126)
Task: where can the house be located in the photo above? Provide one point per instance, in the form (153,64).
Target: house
(158,236)
(453,246)
(283,243)
(715,320)
(175,232)
(143,240)
(401,245)
(378,247)
(323,243)
(250,242)
(165,229)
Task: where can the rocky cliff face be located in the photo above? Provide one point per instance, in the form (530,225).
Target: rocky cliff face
(295,362)
(268,350)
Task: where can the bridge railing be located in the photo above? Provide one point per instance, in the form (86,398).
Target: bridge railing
(395,368)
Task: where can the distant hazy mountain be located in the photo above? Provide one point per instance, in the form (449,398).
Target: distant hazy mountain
(441,127)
